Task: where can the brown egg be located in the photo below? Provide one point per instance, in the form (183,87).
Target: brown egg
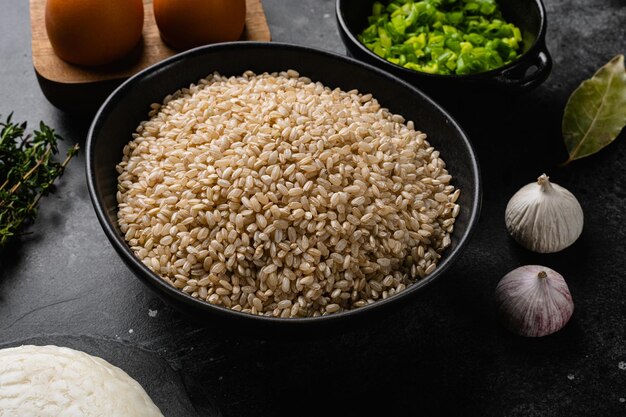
(184,24)
(93,32)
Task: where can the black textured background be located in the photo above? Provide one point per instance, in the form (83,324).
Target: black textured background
(444,354)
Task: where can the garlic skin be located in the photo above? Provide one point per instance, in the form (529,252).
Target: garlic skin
(544,217)
(534,301)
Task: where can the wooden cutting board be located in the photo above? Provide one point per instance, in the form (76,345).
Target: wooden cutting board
(63,83)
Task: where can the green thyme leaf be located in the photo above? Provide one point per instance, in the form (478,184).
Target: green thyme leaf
(27,172)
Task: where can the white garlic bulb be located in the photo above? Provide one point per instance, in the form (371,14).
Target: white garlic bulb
(544,217)
(534,301)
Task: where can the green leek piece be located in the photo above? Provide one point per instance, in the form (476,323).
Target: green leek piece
(442,36)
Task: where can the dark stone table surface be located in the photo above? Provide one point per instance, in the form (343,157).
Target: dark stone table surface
(442,354)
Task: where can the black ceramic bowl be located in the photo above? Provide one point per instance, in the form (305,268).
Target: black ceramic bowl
(523,74)
(128,105)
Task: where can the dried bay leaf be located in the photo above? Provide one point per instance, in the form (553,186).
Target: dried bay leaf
(595,113)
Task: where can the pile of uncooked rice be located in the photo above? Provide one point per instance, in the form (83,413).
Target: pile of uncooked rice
(275,195)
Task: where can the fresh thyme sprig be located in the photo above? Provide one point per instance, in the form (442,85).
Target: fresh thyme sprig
(27,173)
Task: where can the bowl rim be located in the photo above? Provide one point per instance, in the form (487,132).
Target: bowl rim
(162,287)
(537,44)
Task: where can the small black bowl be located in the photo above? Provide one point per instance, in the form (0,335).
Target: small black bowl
(525,73)
(127,106)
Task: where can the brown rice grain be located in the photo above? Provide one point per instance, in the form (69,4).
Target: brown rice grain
(235,196)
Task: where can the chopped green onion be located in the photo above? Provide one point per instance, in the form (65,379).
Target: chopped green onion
(442,36)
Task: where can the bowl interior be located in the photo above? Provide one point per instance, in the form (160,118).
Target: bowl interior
(130,103)
(525,14)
